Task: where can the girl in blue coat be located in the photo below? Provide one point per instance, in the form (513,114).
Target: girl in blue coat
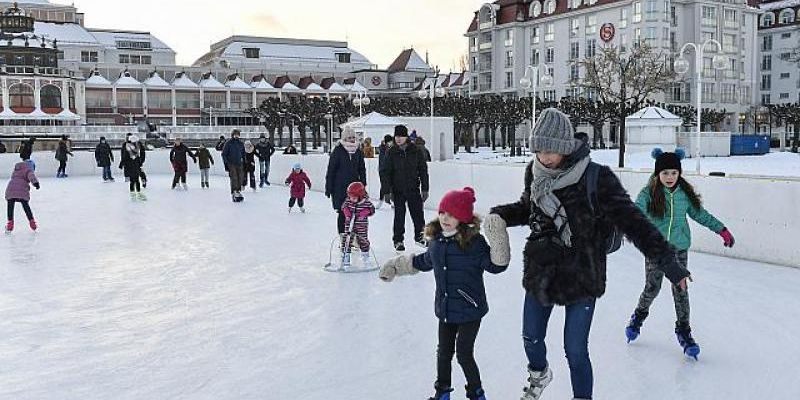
(458,255)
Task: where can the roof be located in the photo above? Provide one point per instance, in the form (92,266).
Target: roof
(155,80)
(109,38)
(260,82)
(408,60)
(337,88)
(281,50)
(777,5)
(373,119)
(209,82)
(653,113)
(357,87)
(97,80)
(284,83)
(182,81)
(235,82)
(126,80)
(509,11)
(305,82)
(65,33)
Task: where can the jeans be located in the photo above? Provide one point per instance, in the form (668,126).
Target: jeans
(25,206)
(414,201)
(263,168)
(458,339)
(204,175)
(577,325)
(107,173)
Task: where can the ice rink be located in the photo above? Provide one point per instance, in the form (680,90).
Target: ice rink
(189,296)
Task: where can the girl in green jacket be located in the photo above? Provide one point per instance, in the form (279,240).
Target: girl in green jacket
(667,200)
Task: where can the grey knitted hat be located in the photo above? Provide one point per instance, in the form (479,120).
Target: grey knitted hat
(553,133)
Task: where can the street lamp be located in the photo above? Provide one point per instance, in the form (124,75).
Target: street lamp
(361,101)
(434,93)
(329,117)
(531,81)
(682,66)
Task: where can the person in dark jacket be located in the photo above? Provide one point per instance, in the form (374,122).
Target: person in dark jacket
(249,165)
(290,150)
(565,256)
(458,256)
(420,142)
(142,154)
(233,158)
(220,143)
(131,161)
(264,150)
(104,157)
(3,148)
(204,161)
(345,166)
(383,150)
(26,149)
(406,181)
(180,164)
(62,152)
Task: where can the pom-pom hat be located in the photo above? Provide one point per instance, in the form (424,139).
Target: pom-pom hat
(460,204)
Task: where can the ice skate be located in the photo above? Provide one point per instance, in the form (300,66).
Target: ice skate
(9,226)
(34,226)
(141,196)
(537,381)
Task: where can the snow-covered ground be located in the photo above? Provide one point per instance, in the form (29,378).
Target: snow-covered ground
(784,164)
(189,296)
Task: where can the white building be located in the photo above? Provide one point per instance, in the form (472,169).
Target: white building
(779,39)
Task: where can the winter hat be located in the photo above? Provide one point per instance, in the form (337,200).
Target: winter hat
(413,136)
(553,133)
(460,204)
(665,160)
(400,131)
(387,139)
(349,140)
(102,138)
(133,138)
(357,189)
(297,166)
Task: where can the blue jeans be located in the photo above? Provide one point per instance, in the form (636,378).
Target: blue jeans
(577,324)
(263,168)
(107,173)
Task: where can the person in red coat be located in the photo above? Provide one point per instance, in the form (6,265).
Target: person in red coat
(297,181)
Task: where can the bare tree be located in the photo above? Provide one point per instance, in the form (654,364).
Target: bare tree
(627,79)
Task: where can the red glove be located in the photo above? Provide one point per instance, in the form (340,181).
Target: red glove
(727,237)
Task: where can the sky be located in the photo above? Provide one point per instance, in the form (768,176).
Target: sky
(378,29)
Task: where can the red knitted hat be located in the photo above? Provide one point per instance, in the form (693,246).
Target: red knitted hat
(460,204)
(357,189)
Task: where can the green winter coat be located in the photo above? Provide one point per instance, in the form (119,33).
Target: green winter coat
(674,225)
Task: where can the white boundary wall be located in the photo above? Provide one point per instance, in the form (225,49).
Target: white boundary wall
(763,213)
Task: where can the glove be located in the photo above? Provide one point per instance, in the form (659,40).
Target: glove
(328,195)
(727,237)
(673,270)
(424,196)
(497,235)
(387,198)
(36,185)
(397,266)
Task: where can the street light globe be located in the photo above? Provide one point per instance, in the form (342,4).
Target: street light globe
(357,102)
(719,62)
(439,92)
(365,101)
(423,94)
(546,80)
(525,83)
(681,66)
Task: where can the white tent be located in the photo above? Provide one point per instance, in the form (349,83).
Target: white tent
(651,127)
(373,125)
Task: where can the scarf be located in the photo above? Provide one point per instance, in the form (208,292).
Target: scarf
(351,147)
(546,181)
(133,150)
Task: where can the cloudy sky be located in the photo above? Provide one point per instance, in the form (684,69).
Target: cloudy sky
(379,29)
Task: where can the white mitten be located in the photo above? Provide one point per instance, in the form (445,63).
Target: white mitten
(494,227)
(397,266)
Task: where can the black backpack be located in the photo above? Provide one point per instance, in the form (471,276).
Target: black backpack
(614,236)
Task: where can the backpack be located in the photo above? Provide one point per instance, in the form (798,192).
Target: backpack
(614,236)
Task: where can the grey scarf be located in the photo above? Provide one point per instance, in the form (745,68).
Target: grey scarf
(545,181)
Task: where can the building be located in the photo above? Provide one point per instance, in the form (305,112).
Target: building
(506,36)
(779,51)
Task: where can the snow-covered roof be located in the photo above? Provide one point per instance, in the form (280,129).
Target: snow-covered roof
(237,83)
(357,87)
(109,38)
(209,82)
(127,81)
(155,80)
(653,113)
(777,5)
(65,33)
(289,87)
(97,80)
(313,87)
(409,60)
(290,51)
(373,119)
(182,81)
(262,85)
(337,88)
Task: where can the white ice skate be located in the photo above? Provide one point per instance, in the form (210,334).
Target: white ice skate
(302,210)
(537,381)
(185,187)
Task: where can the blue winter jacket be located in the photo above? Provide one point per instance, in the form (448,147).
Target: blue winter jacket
(343,169)
(460,293)
(233,152)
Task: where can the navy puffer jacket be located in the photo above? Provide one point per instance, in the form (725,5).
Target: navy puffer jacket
(460,293)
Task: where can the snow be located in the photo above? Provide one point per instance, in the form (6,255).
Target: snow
(314,88)
(653,113)
(775,164)
(211,83)
(188,296)
(337,88)
(281,52)
(262,85)
(127,81)
(237,83)
(97,80)
(416,63)
(156,81)
(183,81)
(779,5)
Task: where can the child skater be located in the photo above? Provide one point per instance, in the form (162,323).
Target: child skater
(297,181)
(357,209)
(19,191)
(458,255)
(205,161)
(667,200)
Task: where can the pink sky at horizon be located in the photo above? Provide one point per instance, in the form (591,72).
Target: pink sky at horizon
(378,29)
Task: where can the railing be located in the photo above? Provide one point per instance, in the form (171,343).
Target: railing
(485,46)
(33,70)
(119,132)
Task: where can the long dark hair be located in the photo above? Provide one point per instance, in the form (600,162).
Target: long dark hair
(658,202)
(465,232)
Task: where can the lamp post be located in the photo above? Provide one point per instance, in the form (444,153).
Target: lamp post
(434,93)
(682,66)
(532,82)
(329,117)
(361,101)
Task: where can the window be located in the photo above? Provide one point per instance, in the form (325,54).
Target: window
(623,18)
(766,43)
(786,35)
(215,99)
(651,34)
(730,18)
(650,9)
(637,11)
(766,82)
(187,100)
(591,48)
(709,16)
(124,59)
(343,58)
(50,97)
(765,99)
(89,56)
(623,42)
(98,98)
(253,52)
(708,36)
(535,34)
(549,6)
(727,93)
(575,3)
(673,44)
(767,19)
(550,72)
(784,96)
(159,99)
(509,79)
(550,32)
(549,55)
(147,60)
(787,16)
(785,75)
(536,9)
(549,95)
(729,43)
(535,57)
(591,24)
(509,59)
(575,27)
(785,56)
(574,72)
(708,69)
(509,37)
(637,37)
(766,62)
(574,50)
(708,92)
(133,45)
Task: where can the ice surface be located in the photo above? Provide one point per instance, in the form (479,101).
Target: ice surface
(189,296)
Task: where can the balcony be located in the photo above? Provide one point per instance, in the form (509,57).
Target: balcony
(485,46)
(486,25)
(31,70)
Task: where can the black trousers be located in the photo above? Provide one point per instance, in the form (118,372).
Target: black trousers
(135,185)
(179,177)
(340,221)
(292,201)
(25,206)
(458,339)
(414,202)
(62,167)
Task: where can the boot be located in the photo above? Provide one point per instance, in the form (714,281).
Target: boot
(685,339)
(9,226)
(185,186)
(141,196)
(346,261)
(366,260)
(441,394)
(133,196)
(33,225)
(537,381)
(302,210)
(635,325)
(477,394)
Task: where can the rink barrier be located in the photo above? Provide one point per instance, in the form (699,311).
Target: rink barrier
(760,211)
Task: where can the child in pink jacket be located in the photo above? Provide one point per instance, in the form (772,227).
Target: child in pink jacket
(357,209)
(19,191)
(297,181)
